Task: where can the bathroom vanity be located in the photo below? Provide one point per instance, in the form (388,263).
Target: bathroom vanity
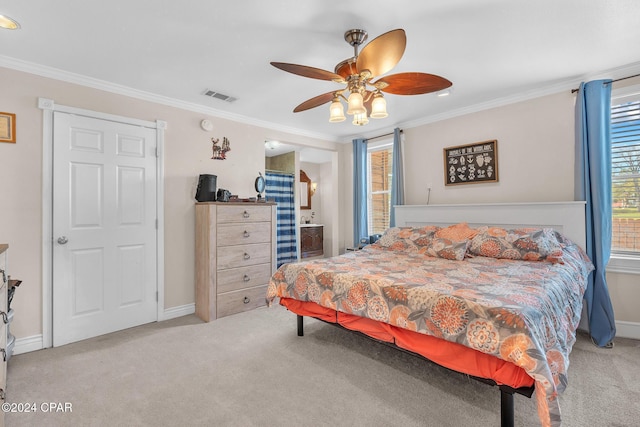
(311,240)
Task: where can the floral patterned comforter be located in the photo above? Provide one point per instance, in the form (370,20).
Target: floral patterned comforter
(521,311)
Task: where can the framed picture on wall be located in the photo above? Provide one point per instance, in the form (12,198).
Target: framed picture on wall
(7,127)
(471,164)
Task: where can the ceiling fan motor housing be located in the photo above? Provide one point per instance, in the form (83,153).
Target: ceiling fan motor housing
(355,37)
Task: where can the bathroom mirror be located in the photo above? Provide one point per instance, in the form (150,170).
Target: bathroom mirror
(305,191)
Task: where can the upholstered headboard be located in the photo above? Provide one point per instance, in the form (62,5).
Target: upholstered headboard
(565,217)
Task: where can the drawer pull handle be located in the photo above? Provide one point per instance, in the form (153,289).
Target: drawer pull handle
(4,275)
(246,256)
(245,214)
(246,300)
(4,354)
(246,278)
(246,234)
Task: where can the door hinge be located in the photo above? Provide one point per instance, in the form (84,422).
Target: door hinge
(157,152)
(157,297)
(156,223)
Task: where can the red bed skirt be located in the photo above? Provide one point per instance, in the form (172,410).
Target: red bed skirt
(448,354)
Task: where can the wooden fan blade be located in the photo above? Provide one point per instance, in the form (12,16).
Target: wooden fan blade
(368,101)
(412,83)
(314,102)
(382,53)
(311,72)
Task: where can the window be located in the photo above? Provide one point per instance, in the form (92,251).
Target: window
(625,168)
(379,176)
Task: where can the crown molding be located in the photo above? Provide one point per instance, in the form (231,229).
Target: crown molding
(69,77)
(552,88)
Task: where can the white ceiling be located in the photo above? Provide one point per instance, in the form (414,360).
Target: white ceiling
(492,50)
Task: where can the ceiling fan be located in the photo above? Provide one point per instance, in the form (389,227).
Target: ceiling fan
(366,97)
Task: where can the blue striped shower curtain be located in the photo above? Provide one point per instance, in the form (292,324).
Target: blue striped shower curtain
(279,189)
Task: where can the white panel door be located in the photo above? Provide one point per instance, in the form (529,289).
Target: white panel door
(104,227)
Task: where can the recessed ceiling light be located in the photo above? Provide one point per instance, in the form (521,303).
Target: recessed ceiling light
(8,23)
(271,145)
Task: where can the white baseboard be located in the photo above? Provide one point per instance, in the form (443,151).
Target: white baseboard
(28,344)
(179,311)
(628,330)
(34,343)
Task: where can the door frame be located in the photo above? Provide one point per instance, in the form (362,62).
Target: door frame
(48,107)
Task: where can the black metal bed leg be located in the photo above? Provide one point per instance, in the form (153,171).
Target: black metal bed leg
(506,409)
(300,326)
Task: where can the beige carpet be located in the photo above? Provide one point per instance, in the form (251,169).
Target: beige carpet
(252,370)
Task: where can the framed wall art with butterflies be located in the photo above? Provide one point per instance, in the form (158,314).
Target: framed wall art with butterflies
(471,164)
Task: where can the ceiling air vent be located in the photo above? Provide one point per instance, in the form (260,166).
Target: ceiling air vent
(218,95)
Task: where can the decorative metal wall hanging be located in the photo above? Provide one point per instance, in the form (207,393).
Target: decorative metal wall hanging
(220,151)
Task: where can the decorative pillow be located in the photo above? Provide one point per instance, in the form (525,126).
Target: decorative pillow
(457,232)
(529,244)
(422,236)
(408,239)
(448,249)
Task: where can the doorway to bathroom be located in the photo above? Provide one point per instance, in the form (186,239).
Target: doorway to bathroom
(322,167)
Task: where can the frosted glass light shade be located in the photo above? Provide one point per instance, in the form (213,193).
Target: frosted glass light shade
(356,104)
(360,119)
(379,108)
(336,112)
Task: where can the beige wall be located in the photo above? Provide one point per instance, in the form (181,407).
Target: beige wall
(535,147)
(535,153)
(535,160)
(187,154)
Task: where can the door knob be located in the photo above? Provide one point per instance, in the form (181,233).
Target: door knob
(63,240)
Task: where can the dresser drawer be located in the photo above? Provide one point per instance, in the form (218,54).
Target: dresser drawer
(243,300)
(240,234)
(243,255)
(233,279)
(250,213)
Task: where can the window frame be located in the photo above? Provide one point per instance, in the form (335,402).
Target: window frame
(624,261)
(382,145)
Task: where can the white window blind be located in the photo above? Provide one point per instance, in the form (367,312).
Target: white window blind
(379,177)
(625,169)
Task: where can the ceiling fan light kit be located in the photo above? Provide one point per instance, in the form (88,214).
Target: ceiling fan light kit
(357,74)
(355,104)
(336,111)
(360,119)
(378,107)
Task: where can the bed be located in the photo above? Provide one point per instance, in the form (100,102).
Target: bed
(493,291)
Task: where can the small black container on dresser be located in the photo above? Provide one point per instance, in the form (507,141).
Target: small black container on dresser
(206,191)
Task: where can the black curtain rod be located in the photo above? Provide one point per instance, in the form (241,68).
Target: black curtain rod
(612,81)
(380,136)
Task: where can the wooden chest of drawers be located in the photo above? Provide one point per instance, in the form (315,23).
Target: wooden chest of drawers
(235,256)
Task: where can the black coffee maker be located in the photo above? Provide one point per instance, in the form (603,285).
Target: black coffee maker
(206,191)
